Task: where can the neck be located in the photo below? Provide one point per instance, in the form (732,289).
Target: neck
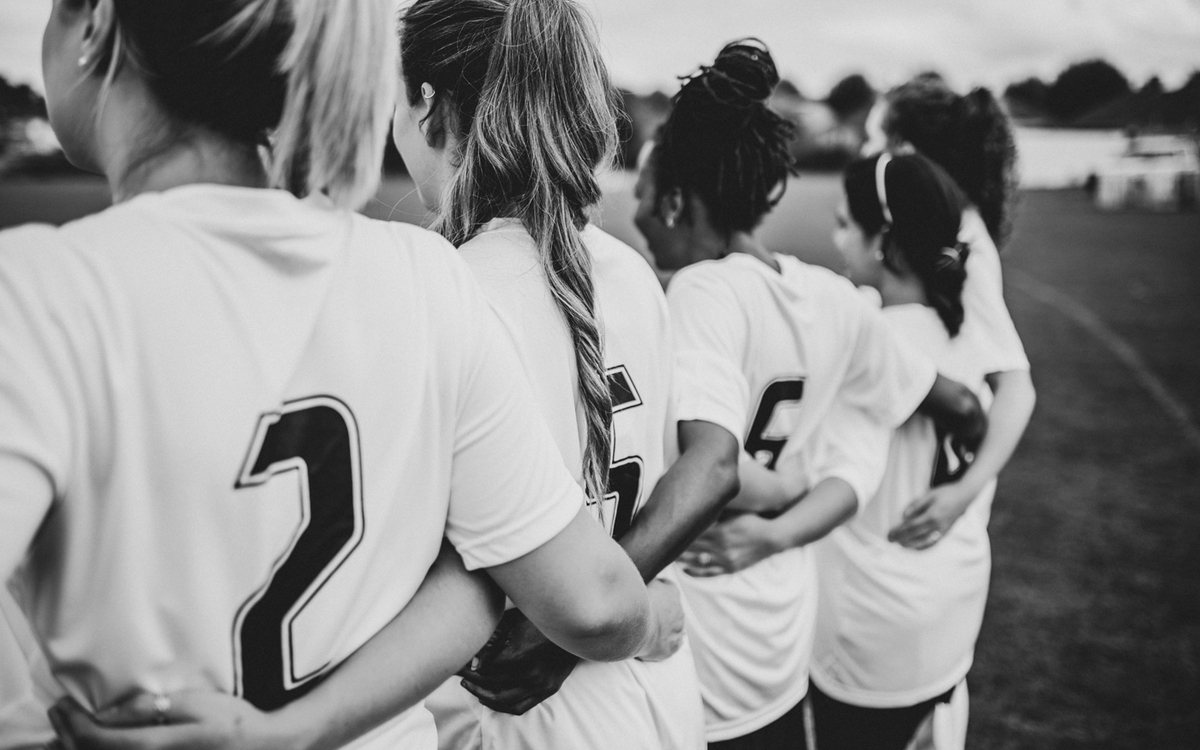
(149,153)
(901,290)
(744,242)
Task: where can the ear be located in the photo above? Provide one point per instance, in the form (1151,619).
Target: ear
(98,34)
(670,207)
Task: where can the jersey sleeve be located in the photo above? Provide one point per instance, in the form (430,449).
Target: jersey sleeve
(35,367)
(710,339)
(510,492)
(986,320)
(850,445)
(886,380)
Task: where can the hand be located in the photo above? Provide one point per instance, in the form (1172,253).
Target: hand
(667,635)
(518,668)
(193,720)
(730,546)
(928,519)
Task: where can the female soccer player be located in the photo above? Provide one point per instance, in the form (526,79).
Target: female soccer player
(505,114)
(236,419)
(777,342)
(970,137)
(896,626)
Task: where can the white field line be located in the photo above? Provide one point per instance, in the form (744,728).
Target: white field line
(1115,343)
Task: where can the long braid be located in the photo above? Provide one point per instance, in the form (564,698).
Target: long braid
(536,129)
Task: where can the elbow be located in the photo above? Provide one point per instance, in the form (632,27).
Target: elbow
(724,477)
(612,623)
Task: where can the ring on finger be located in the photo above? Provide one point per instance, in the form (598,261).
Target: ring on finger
(162,707)
(704,558)
(935,535)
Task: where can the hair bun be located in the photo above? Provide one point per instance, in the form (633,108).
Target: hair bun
(742,77)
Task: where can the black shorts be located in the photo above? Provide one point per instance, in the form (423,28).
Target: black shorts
(841,726)
(785,733)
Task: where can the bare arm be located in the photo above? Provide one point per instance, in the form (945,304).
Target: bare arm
(930,516)
(766,490)
(448,619)
(747,539)
(582,591)
(954,408)
(686,500)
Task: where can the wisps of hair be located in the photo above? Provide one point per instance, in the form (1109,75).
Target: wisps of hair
(534,123)
(970,136)
(926,206)
(341,69)
(723,143)
(313,79)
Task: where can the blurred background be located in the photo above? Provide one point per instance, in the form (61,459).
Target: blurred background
(1092,635)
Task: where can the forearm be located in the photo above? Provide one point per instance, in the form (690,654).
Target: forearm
(447,621)
(764,490)
(686,500)
(1008,417)
(954,408)
(828,505)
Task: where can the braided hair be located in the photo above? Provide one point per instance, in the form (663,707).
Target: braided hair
(723,144)
(534,114)
(919,223)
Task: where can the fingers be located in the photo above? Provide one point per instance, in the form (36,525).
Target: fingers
(140,710)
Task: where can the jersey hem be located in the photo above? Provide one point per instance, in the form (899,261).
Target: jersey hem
(731,730)
(879,699)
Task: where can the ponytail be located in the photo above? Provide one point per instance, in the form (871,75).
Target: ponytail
(311,80)
(917,207)
(341,76)
(969,136)
(534,124)
(989,155)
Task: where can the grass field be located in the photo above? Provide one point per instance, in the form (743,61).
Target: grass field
(1092,636)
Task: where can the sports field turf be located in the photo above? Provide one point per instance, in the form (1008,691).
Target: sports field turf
(1092,636)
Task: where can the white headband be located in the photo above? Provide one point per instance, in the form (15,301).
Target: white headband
(881,187)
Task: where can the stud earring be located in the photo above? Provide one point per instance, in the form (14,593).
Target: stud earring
(83,61)
(878,255)
(669,221)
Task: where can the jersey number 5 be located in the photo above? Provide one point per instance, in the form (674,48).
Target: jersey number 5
(624,475)
(318,439)
(760,442)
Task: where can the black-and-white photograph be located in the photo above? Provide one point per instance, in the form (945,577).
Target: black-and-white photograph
(599,374)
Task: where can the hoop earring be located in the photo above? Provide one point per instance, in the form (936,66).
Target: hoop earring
(427,91)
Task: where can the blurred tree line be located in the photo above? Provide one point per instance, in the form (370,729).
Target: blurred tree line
(831,130)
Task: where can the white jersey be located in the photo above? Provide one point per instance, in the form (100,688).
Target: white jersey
(766,354)
(897,626)
(627,704)
(26,687)
(986,321)
(243,423)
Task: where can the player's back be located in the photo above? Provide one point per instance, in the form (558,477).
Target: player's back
(772,350)
(630,703)
(248,407)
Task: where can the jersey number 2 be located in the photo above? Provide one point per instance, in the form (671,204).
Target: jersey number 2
(318,439)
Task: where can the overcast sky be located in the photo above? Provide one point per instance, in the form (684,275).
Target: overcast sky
(816,42)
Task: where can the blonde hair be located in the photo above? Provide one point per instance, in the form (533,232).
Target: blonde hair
(523,84)
(312,80)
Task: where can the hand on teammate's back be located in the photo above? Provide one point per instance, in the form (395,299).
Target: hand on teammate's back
(730,546)
(669,628)
(518,668)
(196,720)
(928,518)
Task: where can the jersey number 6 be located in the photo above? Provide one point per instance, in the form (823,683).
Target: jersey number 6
(766,449)
(318,439)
